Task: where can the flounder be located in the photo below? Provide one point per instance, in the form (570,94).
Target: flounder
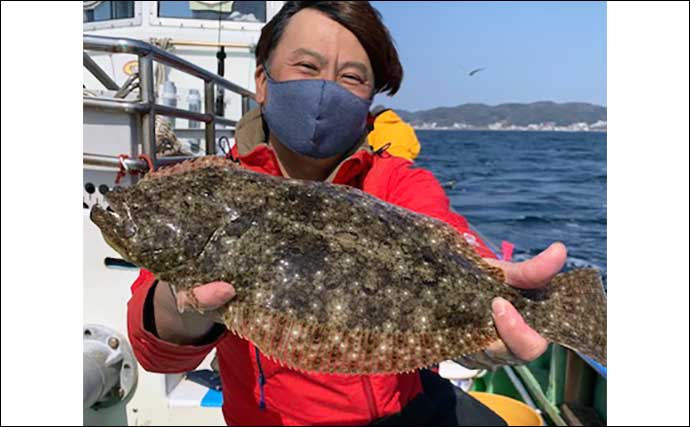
(331,279)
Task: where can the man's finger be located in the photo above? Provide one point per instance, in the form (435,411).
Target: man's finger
(523,341)
(208,297)
(534,272)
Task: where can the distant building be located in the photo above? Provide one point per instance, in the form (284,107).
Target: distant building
(599,125)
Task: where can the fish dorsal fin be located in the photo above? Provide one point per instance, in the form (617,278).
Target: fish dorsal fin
(190,165)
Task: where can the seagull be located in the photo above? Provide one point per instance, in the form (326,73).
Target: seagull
(473,72)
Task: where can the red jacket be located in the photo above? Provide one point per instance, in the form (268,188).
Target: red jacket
(291,397)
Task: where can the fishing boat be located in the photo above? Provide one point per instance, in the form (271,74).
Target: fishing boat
(165,81)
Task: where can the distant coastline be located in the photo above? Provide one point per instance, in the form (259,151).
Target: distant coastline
(575,127)
(536,116)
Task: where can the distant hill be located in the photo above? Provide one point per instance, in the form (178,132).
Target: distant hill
(482,115)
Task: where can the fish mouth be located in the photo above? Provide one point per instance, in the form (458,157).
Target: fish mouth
(100,216)
(115,228)
(107,217)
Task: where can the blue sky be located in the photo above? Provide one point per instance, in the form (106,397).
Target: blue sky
(533,51)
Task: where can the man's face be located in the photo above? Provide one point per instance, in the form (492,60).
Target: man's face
(313,46)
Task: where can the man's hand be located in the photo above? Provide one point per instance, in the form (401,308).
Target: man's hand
(205,298)
(187,316)
(518,342)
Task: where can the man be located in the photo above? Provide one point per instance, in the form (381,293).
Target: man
(318,66)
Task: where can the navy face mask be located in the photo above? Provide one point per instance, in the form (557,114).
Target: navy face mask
(315,118)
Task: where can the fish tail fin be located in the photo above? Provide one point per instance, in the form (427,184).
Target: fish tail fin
(571,311)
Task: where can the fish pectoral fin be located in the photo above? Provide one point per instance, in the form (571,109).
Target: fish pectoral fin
(495,272)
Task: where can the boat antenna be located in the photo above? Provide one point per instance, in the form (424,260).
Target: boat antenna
(220,104)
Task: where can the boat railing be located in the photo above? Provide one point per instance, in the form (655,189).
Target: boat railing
(145,107)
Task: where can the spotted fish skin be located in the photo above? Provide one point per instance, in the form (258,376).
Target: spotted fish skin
(331,279)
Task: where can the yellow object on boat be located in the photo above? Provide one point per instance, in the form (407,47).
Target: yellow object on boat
(514,412)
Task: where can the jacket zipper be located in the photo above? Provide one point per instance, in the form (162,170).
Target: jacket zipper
(369,394)
(261,380)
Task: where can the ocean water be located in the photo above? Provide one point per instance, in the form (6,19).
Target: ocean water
(529,188)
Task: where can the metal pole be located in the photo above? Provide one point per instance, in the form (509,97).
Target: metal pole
(127,86)
(534,387)
(113,162)
(98,73)
(140,165)
(208,109)
(138,47)
(132,107)
(245,104)
(519,387)
(139,107)
(148,97)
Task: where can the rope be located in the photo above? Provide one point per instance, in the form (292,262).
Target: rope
(224,145)
(167,143)
(161,75)
(124,170)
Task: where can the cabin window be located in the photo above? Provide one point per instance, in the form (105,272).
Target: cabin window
(242,11)
(96,11)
